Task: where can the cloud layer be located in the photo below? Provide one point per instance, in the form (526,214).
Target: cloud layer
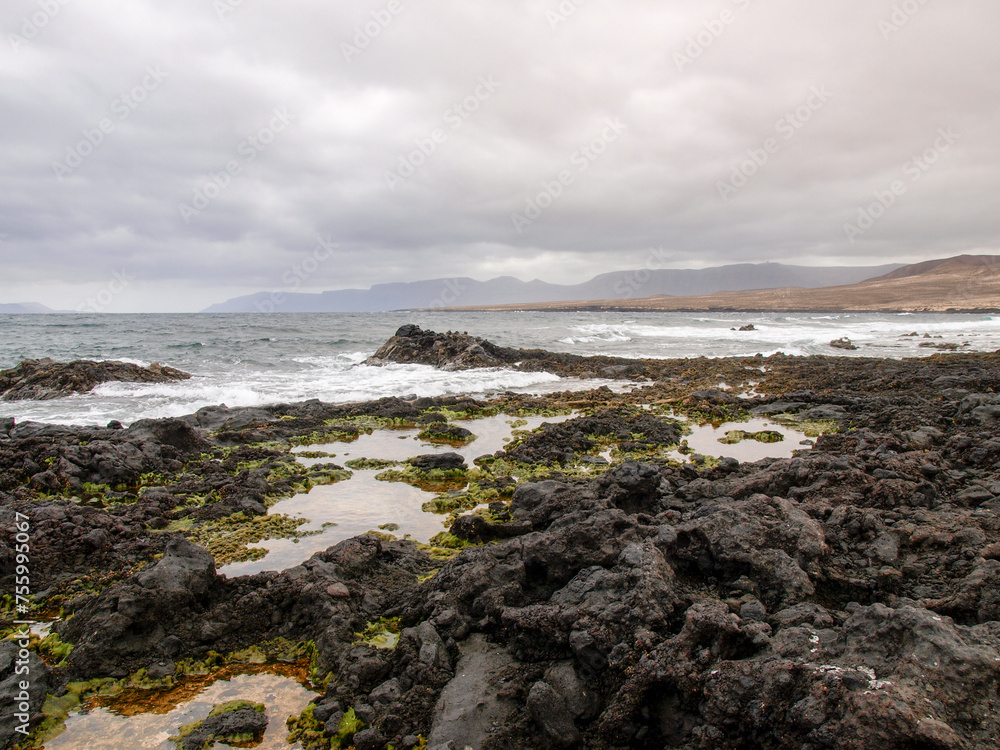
(165,156)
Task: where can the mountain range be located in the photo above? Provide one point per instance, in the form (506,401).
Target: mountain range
(965,282)
(507,290)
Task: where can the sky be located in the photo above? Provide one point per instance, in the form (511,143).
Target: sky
(160,157)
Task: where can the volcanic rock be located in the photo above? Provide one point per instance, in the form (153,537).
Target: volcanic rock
(43,379)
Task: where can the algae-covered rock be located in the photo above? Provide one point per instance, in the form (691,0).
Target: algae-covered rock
(763,436)
(238,723)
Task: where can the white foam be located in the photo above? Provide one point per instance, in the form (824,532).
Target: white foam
(127,402)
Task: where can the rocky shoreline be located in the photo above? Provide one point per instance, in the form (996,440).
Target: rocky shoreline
(843,598)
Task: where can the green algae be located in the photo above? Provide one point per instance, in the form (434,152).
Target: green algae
(764,436)
(228,538)
(308,731)
(348,429)
(715,415)
(446,414)
(52,650)
(457,500)
(812,428)
(438,480)
(231,706)
(505,468)
(380,634)
(380,535)
(371,464)
(56,709)
(428,575)
(441,433)
(444,546)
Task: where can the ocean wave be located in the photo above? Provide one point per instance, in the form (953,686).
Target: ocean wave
(592,333)
(127,402)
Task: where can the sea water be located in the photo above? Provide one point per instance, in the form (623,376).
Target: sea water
(256,359)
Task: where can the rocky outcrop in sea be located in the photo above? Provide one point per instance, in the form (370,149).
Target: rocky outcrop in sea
(43,379)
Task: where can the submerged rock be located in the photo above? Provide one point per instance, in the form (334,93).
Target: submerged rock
(236,723)
(43,379)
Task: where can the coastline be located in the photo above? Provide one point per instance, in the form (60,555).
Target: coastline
(597,576)
(579,308)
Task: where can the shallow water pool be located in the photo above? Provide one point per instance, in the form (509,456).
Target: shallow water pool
(364,503)
(106,729)
(705,439)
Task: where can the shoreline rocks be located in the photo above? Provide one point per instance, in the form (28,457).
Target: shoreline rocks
(44,379)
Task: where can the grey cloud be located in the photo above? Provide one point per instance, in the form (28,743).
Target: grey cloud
(689,124)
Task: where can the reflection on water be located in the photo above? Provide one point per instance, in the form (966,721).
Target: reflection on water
(704,439)
(103,729)
(360,504)
(363,503)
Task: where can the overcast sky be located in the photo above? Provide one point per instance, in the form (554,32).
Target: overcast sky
(164,156)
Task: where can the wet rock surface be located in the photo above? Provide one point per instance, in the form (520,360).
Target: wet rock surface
(244,725)
(43,379)
(842,598)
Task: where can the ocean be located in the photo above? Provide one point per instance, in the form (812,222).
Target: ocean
(255,359)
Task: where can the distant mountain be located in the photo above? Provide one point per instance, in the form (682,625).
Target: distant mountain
(27,308)
(506,290)
(966,282)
